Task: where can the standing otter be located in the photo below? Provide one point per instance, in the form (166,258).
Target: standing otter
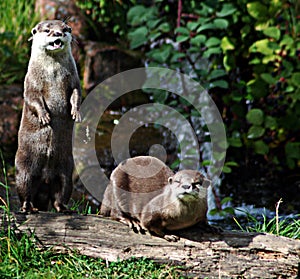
(146,195)
(52,96)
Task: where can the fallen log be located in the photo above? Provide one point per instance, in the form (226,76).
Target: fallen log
(215,255)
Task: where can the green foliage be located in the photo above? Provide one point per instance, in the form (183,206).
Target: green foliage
(23,256)
(246,54)
(106,18)
(225,211)
(284,227)
(81,206)
(17,17)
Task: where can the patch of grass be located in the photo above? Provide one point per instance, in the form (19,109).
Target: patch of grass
(288,227)
(48,264)
(81,206)
(23,256)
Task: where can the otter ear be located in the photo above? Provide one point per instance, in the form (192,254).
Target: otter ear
(33,31)
(170,180)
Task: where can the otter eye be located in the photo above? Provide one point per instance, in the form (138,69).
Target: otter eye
(196,184)
(47,30)
(67,29)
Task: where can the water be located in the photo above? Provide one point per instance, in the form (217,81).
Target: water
(247,188)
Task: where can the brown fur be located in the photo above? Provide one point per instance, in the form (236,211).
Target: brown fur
(52,96)
(159,203)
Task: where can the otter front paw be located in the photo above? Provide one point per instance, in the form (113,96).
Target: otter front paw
(44,118)
(76,115)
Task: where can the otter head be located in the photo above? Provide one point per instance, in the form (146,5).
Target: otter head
(51,36)
(188,185)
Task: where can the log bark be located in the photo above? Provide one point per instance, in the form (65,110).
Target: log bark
(215,255)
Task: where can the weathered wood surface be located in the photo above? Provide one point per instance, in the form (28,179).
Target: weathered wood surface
(216,255)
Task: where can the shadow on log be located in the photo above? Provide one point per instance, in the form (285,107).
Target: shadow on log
(216,255)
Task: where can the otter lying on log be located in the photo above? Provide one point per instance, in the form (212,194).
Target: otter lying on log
(146,195)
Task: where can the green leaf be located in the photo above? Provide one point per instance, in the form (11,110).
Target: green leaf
(289,89)
(235,142)
(290,162)
(226,169)
(261,46)
(227,10)
(257,88)
(261,148)
(164,27)
(205,163)
(272,32)
(270,122)
(182,38)
(292,150)
(257,10)
(232,164)
(287,40)
(205,27)
(161,55)
(274,46)
(210,51)
(182,30)
(296,79)
(229,62)
(160,96)
(219,83)
(138,37)
(216,73)
(255,132)
(176,56)
(228,210)
(134,15)
(255,116)
(268,78)
(192,25)
(213,41)
(221,23)
(198,40)
(226,44)
(226,200)
(153,36)
(153,23)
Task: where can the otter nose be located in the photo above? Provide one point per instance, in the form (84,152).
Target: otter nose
(186,186)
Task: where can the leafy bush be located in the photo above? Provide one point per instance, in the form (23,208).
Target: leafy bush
(246,55)
(106,18)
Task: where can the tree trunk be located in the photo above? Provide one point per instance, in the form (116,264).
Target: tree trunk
(215,255)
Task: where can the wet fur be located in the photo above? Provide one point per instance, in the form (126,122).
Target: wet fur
(52,96)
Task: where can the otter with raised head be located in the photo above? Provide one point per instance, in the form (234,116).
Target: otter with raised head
(146,195)
(52,97)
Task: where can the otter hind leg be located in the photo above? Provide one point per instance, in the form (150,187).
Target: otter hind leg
(24,183)
(41,197)
(61,190)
